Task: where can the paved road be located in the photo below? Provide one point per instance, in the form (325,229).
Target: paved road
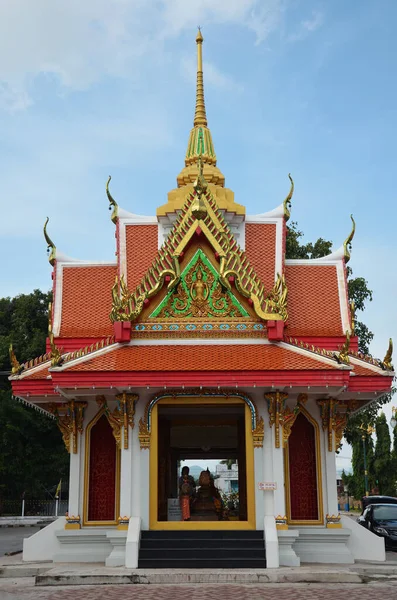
(11,538)
(201,592)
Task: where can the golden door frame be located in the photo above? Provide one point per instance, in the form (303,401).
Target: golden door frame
(154,523)
(86,492)
(319,479)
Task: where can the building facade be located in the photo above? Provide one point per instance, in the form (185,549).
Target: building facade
(201,340)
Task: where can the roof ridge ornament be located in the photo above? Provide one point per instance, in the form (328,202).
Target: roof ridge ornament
(56,353)
(200,116)
(386,364)
(343,355)
(347,244)
(16,367)
(287,202)
(50,244)
(199,210)
(353,317)
(112,202)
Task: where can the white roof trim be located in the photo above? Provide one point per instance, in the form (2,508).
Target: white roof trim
(30,371)
(313,355)
(134,219)
(331,259)
(277,213)
(366,365)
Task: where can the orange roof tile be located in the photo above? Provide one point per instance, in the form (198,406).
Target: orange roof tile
(313,301)
(245,357)
(42,374)
(141,250)
(87,301)
(260,247)
(364,371)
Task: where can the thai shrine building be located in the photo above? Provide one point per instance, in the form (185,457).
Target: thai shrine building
(201,341)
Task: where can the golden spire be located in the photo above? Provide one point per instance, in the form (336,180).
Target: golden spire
(200,117)
(200,146)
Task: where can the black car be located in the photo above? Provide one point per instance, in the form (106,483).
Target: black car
(382,520)
(366,500)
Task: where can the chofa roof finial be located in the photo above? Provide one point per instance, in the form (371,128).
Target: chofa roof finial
(50,244)
(112,202)
(347,244)
(287,202)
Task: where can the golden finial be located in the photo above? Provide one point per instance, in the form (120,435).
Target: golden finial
(343,355)
(353,317)
(16,367)
(287,202)
(199,210)
(50,244)
(386,364)
(112,202)
(347,244)
(200,117)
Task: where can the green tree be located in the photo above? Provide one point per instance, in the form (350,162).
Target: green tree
(383,458)
(229,462)
(394,461)
(32,455)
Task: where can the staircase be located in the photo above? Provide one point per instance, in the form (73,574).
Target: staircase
(202,550)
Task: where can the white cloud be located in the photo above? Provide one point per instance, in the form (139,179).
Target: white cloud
(80,43)
(212,75)
(307,27)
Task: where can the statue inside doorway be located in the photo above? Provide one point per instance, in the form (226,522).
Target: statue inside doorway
(207,505)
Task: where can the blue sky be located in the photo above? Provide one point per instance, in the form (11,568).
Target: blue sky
(101,87)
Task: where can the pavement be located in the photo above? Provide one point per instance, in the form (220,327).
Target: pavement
(11,538)
(25,590)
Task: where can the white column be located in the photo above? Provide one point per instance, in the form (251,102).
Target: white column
(330,491)
(271,537)
(74,507)
(135,472)
(278,469)
(259,506)
(125,476)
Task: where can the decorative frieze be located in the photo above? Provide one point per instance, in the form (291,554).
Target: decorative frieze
(72,522)
(69,417)
(121,417)
(333,421)
(144,435)
(276,406)
(333,522)
(258,433)
(281,522)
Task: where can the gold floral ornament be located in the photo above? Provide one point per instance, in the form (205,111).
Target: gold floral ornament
(121,416)
(276,301)
(343,355)
(328,409)
(56,353)
(276,407)
(289,417)
(386,364)
(340,426)
(353,318)
(347,244)
(51,248)
(112,202)
(144,435)
(287,202)
(333,522)
(69,418)
(258,433)
(199,209)
(16,367)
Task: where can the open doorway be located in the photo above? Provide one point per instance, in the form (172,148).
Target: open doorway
(210,441)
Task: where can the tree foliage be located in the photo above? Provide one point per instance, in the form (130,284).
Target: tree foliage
(385,478)
(32,455)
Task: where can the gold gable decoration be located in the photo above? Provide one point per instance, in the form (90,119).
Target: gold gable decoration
(201,215)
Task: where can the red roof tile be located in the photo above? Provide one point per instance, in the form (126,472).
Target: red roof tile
(141,250)
(245,357)
(87,301)
(260,247)
(313,301)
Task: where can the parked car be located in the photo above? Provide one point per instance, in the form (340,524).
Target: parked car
(366,500)
(381,519)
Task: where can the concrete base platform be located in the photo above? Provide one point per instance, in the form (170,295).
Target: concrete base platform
(50,574)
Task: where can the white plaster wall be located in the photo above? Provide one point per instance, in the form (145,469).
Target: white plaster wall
(141,464)
(363,544)
(43,544)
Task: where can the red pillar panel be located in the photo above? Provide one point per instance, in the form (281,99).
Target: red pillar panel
(102,476)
